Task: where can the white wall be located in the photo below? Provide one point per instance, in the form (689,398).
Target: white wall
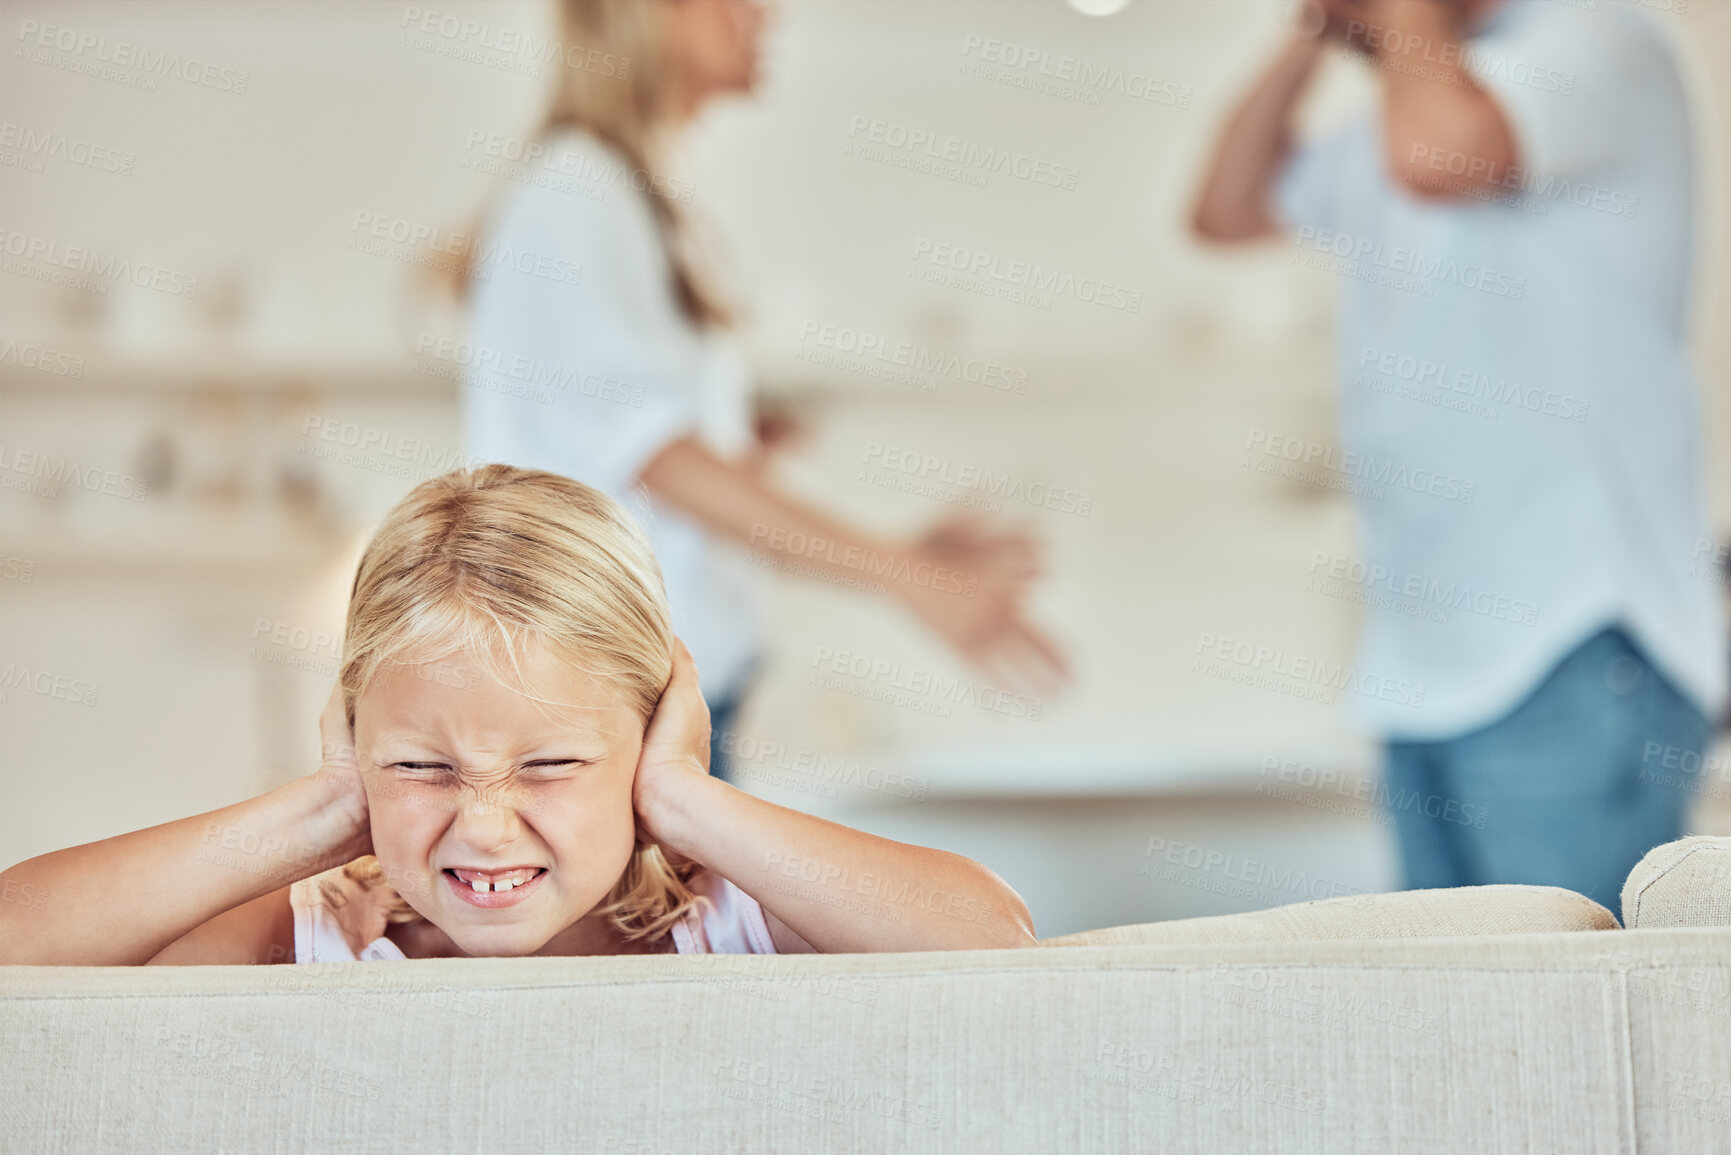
(345,111)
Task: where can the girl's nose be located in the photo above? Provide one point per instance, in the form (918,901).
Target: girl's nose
(486,820)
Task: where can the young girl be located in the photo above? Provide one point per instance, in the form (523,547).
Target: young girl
(515,764)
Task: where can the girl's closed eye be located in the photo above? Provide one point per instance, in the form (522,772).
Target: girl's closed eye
(420,771)
(541,768)
(553,769)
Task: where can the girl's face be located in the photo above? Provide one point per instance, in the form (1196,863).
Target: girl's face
(500,820)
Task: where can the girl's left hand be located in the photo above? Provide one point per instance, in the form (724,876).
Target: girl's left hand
(347,830)
(738,836)
(675,746)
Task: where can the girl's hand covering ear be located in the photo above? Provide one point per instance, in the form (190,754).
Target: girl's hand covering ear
(339,771)
(676,744)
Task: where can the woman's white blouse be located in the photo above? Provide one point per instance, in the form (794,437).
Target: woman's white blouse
(581,363)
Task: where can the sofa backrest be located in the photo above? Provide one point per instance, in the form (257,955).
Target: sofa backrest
(1458,913)
(1561,1042)
(1682,883)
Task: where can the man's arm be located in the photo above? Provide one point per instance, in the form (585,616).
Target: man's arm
(1236,201)
(1445,137)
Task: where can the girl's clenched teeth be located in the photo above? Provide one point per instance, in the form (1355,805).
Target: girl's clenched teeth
(486,881)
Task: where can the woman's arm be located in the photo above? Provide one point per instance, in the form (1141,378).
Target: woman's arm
(968,587)
(210,887)
(631,396)
(838,889)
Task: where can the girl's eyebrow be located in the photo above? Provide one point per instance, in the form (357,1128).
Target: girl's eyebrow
(407,740)
(415,746)
(577,749)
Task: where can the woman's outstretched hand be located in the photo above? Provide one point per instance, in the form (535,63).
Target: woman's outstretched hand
(675,746)
(977,605)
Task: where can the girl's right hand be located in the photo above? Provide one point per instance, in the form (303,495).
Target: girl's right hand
(210,888)
(339,772)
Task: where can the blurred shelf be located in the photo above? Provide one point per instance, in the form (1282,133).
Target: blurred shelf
(288,556)
(1104,773)
(110,375)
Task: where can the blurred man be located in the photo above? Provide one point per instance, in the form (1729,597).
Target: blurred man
(1512,222)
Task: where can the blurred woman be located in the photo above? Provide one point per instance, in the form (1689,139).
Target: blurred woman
(609,360)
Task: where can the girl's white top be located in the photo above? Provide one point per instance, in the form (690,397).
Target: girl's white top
(339,920)
(580,362)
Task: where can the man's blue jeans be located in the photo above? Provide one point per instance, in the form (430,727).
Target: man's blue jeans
(1568,790)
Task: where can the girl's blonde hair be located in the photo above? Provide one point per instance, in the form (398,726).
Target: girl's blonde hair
(491,561)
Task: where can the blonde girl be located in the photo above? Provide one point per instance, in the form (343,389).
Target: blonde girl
(515,764)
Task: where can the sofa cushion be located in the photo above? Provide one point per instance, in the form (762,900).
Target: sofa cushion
(1456,913)
(1682,883)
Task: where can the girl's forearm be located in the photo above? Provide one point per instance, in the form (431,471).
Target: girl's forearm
(122,900)
(842,890)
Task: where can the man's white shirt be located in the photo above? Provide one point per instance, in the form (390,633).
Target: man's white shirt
(1519,420)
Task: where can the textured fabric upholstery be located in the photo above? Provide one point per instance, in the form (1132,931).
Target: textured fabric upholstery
(1682,883)
(1454,913)
(1577,1042)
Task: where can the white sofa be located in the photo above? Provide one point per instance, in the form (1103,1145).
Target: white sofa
(1486,1020)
